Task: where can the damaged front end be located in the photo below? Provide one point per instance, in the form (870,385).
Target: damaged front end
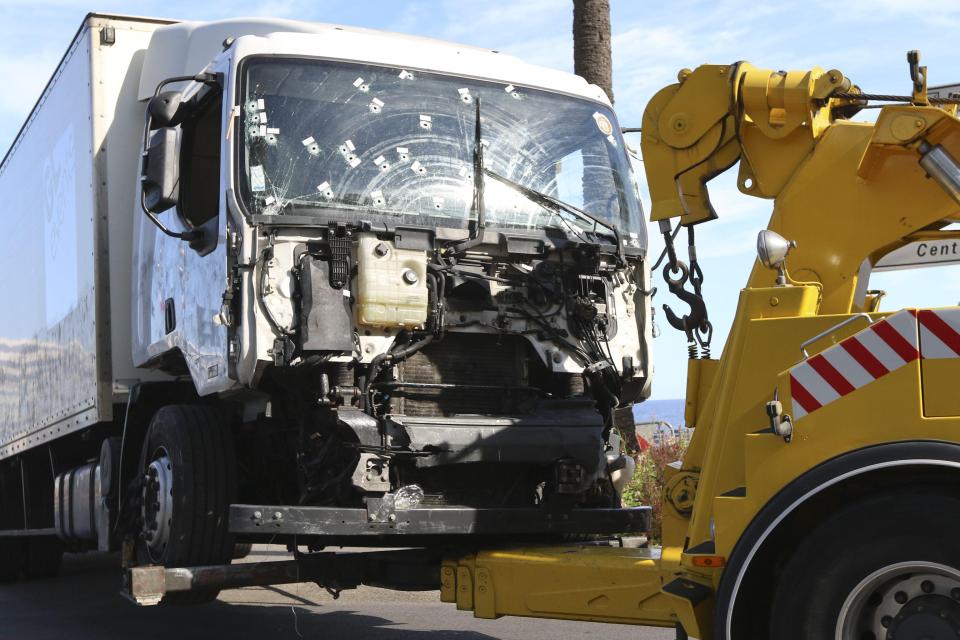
(423,384)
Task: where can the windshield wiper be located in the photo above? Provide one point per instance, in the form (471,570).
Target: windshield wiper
(552,204)
(476,226)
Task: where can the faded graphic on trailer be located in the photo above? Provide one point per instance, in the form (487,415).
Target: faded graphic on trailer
(60,229)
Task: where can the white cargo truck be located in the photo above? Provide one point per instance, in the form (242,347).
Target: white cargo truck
(315,285)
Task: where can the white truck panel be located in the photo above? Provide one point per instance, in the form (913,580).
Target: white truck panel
(50,370)
(118,130)
(64,336)
(185,48)
(166,269)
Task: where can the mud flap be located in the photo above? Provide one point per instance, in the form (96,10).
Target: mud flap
(693,604)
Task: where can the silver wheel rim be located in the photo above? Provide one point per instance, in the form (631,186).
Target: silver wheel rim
(157,504)
(905,601)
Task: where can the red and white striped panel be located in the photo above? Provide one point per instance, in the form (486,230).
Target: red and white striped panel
(939,333)
(857,361)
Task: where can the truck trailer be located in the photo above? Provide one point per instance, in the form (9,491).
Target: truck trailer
(314,285)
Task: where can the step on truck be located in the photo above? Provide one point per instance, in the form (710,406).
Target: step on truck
(313,285)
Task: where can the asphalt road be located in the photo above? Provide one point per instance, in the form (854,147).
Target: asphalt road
(84,604)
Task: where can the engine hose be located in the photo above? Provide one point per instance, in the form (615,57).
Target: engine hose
(433,286)
(400,355)
(601,390)
(266,256)
(392,357)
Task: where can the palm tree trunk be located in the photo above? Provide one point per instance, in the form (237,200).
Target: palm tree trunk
(592,57)
(592,60)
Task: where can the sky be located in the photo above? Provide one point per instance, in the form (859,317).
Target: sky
(866,39)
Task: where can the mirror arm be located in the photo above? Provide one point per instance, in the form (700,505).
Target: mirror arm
(210,79)
(192,235)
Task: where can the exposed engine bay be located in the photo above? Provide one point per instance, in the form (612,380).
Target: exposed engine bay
(485,378)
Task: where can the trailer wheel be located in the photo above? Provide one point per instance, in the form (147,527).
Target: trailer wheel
(43,557)
(189,481)
(888,567)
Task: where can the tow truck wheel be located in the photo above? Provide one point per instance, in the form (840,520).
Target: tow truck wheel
(188,482)
(885,568)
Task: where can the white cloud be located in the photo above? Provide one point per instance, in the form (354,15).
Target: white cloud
(941,13)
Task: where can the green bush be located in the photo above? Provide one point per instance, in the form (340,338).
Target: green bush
(646,487)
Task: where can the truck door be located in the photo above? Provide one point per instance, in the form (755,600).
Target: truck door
(177,291)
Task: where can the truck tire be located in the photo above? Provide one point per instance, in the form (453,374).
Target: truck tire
(886,567)
(43,557)
(189,482)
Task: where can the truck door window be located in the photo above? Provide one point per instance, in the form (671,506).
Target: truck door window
(923,273)
(918,287)
(200,163)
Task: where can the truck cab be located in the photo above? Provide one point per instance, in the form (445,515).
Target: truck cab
(413,272)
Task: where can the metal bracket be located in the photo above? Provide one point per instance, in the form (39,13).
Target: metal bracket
(824,334)
(372,473)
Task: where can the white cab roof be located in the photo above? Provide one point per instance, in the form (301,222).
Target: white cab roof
(185,48)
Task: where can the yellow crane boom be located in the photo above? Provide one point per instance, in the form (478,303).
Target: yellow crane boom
(822,411)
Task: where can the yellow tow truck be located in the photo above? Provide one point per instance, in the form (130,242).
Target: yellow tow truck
(820,494)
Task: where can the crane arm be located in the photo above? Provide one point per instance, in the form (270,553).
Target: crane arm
(718,114)
(848,192)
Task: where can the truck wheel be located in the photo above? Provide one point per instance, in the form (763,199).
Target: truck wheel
(11,558)
(43,557)
(189,481)
(887,567)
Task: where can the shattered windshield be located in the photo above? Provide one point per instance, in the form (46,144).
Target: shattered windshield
(397,144)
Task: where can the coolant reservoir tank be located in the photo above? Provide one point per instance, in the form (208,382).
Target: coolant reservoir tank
(392,284)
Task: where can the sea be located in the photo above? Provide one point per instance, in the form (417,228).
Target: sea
(670,411)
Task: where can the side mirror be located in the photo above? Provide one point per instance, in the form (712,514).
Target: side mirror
(167,109)
(160,174)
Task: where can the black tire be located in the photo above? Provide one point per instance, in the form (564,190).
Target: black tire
(199,448)
(241,550)
(864,539)
(43,557)
(12,557)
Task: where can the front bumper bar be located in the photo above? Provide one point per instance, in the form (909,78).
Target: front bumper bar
(436,521)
